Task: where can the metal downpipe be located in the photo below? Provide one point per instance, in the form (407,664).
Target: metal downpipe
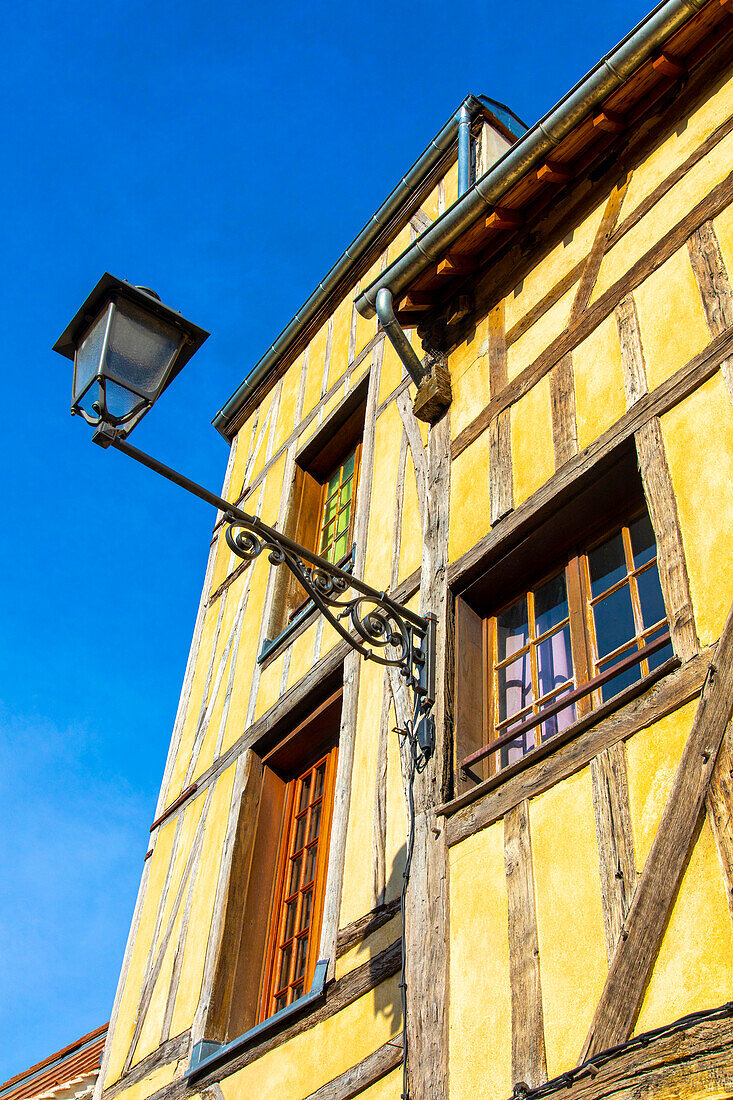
(397,336)
(464,150)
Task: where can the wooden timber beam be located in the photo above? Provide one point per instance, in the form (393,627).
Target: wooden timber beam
(668,65)
(554,172)
(457,264)
(503,218)
(667,861)
(416,301)
(610,122)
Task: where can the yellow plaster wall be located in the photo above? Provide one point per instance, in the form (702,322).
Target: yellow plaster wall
(533,451)
(152,1083)
(150,1031)
(552,267)
(469,373)
(676,148)
(410,549)
(400,243)
(202,904)
(261,437)
(600,398)
(523,352)
(268,691)
(723,226)
(185,823)
(288,400)
(665,214)
(573,961)
(652,757)
(311,1059)
(470,510)
(671,318)
(248,647)
(396,840)
(357,895)
(340,338)
(698,437)
(480,1039)
(694,968)
(392,372)
(388,1088)
(301,657)
(158,869)
(381,514)
(316,363)
(359,954)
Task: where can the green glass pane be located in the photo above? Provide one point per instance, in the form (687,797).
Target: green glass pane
(342,523)
(348,466)
(338,549)
(346,489)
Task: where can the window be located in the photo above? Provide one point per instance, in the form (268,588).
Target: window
(277,880)
(564,612)
(321,509)
(583,622)
(296,911)
(338,508)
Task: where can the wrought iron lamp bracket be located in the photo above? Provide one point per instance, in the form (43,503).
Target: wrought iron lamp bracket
(372,623)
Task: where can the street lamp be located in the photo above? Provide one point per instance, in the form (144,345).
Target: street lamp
(127,347)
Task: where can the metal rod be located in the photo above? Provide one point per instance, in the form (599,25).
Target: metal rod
(256,525)
(566,700)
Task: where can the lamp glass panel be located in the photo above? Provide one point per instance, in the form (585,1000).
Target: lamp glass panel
(140,350)
(88,355)
(119,401)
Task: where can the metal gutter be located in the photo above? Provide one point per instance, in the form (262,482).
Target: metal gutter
(225,420)
(611,71)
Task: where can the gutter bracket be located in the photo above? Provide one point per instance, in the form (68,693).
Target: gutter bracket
(434,393)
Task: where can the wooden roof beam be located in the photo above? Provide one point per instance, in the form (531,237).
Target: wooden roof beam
(456,263)
(609,121)
(503,218)
(417,301)
(668,65)
(554,172)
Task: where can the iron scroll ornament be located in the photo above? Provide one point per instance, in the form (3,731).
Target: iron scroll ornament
(383,631)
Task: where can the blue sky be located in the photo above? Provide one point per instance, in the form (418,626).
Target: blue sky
(225,155)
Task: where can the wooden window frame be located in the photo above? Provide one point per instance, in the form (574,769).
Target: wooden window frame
(269,993)
(306,734)
(571,525)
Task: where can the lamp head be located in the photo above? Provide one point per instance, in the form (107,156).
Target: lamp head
(126,347)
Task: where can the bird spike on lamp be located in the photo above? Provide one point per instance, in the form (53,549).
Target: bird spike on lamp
(126,347)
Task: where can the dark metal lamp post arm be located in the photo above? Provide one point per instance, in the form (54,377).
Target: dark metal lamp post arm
(382,630)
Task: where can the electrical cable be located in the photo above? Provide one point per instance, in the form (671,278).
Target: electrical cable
(417,762)
(592,1065)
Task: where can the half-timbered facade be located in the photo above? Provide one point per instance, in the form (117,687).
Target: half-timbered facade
(557,491)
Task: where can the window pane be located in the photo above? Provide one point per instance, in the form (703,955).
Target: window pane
(345,495)
(348,466)
(650,596)
(558,722)
(315,823)
(284,971)
(300,833)
(614,619)
(662,654)
(515,687)
(643,543)
(290,914)
(554,661)
(305,912)
(310,863)
(294,880)
(320,775)
(512,629)
(338,549)
(606,564)
(624,679)
(550,604)
(305,786)
(517,749)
